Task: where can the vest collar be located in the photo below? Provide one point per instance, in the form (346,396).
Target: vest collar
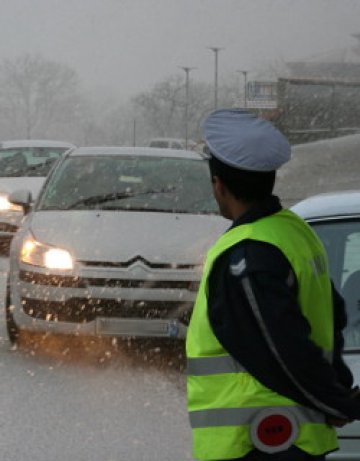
(261,209)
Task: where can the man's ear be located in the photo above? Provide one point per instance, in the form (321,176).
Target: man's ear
(218,185)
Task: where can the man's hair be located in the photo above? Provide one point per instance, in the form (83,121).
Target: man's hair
(243,184)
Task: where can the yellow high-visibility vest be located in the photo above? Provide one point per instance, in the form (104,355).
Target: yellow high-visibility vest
(223,398)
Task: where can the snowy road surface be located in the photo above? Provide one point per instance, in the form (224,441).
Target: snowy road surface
(90,400)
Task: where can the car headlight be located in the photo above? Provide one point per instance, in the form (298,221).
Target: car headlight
(5,205)
(38,254)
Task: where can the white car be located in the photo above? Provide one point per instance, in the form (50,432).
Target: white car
(336,219)
(23,164)
(114,244)
(171,143)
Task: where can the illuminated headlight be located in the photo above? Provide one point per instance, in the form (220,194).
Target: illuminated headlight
(38,254)
(5,205)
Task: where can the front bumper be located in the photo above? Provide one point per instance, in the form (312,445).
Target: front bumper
(105,301)
(9,224)
(349,450)
(349,442)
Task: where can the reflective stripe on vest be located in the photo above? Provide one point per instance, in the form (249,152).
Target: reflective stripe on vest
(221,364)
(240,416)
(213,365)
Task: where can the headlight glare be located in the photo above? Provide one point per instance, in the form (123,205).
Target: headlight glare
(5,205)
(38,254)
(55,258)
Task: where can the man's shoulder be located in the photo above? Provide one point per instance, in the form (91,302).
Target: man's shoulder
(253,256)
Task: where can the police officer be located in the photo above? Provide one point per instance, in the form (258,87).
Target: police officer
(266,380)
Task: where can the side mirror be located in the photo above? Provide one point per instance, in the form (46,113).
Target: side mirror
(22,198)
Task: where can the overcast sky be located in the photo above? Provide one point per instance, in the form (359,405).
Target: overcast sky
(131,44)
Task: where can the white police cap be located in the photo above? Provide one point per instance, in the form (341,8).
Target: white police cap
(242,140)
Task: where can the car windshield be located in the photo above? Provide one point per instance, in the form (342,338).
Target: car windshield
(130,183)
(28,161)
(342,242)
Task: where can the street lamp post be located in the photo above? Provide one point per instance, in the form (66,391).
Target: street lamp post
(134,132)
(244,72)
(216,52)
(187,81)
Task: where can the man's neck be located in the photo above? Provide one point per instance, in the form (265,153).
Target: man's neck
(238,208)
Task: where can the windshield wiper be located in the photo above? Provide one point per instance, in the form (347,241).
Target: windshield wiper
(103,198)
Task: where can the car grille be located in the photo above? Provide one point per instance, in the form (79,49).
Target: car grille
(5,246)
(5,240)
(81,282)
(5,227)
(131,261)
(82,310)
(52,280)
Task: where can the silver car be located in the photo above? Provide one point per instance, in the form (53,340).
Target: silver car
(336,219)
(23,164)
(114,244)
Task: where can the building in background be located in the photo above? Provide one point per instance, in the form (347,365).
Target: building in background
(317,98)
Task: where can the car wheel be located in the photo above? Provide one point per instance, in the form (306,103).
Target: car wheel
(11,326)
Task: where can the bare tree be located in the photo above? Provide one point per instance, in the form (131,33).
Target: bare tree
(36,96)
(162,106)
(161,111)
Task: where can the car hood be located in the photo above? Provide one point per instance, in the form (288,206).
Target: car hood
(118,236)
(9,185)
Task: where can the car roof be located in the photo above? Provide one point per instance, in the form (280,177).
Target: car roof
(170,140)
(135,151)
(340,204)
(34,143)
